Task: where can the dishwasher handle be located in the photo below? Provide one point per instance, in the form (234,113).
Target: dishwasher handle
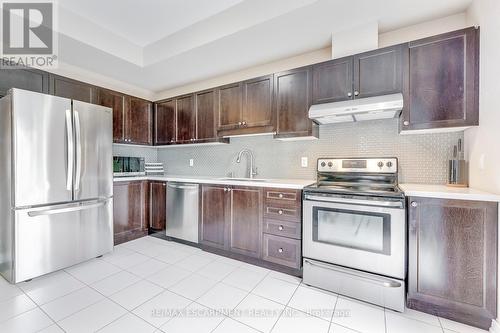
(186,186)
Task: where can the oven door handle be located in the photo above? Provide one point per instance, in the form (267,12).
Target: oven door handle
(395,204)
(359,275)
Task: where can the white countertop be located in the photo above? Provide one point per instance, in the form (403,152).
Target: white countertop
(447,192)
(278,183)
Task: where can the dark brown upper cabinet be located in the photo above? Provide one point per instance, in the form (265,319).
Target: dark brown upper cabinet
(206,112)
(230,106)
(443,81)
(257,102)
(28,79)
(138,121)
(165,122)
(379,72)
(186,119)
(373,73)
(68,88)
(116,101)
(292,99)
(246,107)
(157,205)
(452,267)
(332,81)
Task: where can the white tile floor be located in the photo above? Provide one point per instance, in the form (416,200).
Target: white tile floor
(151,285)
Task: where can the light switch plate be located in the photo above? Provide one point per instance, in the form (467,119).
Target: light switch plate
(304,162)
(191,162)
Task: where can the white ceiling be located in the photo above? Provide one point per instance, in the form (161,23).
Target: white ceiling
(146,21)
(156,45)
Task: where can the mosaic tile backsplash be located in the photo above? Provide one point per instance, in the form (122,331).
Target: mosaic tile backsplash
(149,154)
(422,158)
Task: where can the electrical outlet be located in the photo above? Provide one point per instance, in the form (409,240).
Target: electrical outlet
(303,162)
(191,162)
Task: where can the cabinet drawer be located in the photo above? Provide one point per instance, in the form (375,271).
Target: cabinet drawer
(282,212)
(282,195)
(283,228)
(281,250)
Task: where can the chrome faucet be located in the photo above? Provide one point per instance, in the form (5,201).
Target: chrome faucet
(253,171)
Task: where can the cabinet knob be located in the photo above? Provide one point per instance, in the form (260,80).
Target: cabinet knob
(280,250)
(356,93)
(280,212)
(406,123)
(280,195)
(244,123)
(240,123)
(414,204)
(280,228)
(225,189)
(349,94)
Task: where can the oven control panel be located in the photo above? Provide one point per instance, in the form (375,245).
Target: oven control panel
(375,165)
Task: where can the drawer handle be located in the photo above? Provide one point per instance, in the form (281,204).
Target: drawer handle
(280,211)
(280,228)
(280,250)
(280,196)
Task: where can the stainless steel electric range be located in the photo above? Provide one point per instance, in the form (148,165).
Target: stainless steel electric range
(354,230)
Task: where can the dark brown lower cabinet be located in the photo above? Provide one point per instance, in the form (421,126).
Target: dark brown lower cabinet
(213,215)
(129,210)
(452,268)
(231,218)
(157,205)
(246,221)
(232,224)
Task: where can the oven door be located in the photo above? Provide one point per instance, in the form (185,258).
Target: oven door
(368,235)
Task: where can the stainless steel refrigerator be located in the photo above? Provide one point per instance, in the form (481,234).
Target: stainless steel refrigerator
(56,183)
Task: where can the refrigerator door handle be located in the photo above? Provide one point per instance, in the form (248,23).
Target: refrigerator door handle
(78,145)
(70,151)
(67,208)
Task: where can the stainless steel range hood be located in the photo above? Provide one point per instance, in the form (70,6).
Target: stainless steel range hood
(370,108)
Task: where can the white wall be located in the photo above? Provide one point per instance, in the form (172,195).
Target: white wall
(483,143)
(421,30)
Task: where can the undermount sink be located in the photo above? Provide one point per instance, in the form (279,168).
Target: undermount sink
(245,179)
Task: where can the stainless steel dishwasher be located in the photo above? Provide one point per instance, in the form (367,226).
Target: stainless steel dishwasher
(182,211)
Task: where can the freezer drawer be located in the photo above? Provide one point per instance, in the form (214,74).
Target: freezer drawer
(55,237)
(371,288)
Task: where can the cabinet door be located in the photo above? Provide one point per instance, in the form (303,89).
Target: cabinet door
(157,205)
(165,122)
(129,211)
(230,100)
(292,100)
(64,87)
(205,115)
(245,232)
(116,101)
(452,268)
(332,81)
(138,121)
(257,102)
(186,119)
(379,72)
(215,204)
(28,79)
(443,81)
